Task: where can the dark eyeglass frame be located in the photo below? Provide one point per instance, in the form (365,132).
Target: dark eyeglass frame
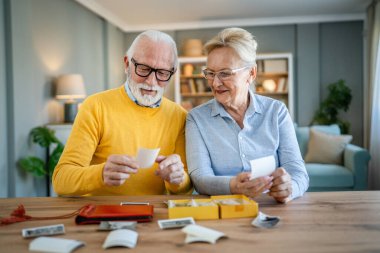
(156,71)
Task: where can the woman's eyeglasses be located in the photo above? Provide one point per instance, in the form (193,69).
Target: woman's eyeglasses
(223,75)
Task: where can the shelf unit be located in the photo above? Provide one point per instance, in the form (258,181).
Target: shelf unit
(279,68)
(191,89)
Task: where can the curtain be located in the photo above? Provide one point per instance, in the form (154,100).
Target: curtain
(372,136)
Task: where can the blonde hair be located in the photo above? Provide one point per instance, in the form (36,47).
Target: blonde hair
(240,40)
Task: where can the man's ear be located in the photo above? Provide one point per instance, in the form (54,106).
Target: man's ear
(126,62)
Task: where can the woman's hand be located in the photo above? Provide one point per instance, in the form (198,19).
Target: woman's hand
(282,185)
(251,188)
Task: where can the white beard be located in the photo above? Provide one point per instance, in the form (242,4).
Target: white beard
(145,100)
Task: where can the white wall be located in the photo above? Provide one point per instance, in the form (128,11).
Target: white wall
(49,38)
(115,49)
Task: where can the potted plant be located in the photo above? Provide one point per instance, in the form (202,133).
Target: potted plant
(45,138)
(339,98)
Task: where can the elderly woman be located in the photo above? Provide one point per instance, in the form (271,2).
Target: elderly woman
(237,126)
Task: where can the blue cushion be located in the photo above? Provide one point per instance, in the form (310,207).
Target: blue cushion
(302,134)
(329,175)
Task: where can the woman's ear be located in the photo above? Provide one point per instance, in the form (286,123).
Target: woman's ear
(252,74)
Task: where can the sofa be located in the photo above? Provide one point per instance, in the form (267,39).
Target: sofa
(352,174)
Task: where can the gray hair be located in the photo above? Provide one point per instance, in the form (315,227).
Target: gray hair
(240,40)
(155,36)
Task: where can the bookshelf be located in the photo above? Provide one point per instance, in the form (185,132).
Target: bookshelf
(191,87)
(274,79)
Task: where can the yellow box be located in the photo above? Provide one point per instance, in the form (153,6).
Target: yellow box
(236,206)
(199,209)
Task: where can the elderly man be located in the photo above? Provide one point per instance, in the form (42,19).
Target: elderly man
(100,155)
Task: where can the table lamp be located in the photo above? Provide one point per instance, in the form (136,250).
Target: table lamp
(70,88)
(269,85)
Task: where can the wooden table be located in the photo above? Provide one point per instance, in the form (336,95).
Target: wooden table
(317,222)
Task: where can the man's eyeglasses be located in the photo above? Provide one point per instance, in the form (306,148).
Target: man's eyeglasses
(223,75)
(144,71)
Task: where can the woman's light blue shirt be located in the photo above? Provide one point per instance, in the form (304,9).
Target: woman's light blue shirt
(217,149)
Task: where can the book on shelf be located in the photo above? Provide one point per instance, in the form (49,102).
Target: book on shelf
(200,85)
(281,84)
(272,66)
(185,88)
(193,88)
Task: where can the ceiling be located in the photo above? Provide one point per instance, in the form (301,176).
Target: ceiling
(138,15)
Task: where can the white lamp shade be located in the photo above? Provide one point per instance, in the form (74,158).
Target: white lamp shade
(70,87)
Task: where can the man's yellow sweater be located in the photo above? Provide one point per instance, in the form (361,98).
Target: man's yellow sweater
(111,123)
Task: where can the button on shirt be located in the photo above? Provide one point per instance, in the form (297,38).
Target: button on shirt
(217,149)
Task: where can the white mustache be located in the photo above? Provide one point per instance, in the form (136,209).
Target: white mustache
(148,87)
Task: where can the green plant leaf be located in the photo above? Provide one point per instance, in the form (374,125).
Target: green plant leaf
(54,158)
(43,136)
(339,98)
(344,126)
(33,165)
(340,95)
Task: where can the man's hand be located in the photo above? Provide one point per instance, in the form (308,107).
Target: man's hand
(170,169)
(282,185)
(251,188)
(118,168)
